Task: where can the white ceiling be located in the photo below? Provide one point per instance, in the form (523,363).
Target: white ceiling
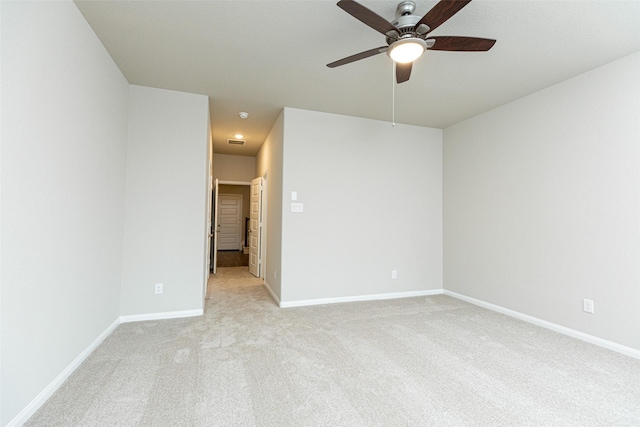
(260,56)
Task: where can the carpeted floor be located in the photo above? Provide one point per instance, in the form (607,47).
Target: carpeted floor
(428,361)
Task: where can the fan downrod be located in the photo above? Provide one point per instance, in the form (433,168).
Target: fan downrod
(405,22)
(405,8)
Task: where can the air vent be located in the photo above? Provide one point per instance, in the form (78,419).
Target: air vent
(236,141)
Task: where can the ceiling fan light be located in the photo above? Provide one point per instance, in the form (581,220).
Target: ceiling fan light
(407,50)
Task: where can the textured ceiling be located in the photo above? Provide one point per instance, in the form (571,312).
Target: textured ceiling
(260,56)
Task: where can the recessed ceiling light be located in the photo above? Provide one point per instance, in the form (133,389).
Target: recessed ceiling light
(243,115)
(238,136)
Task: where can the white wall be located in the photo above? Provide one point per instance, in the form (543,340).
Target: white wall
(1,138)
(228,167)
(166,211)
(269,161)
(64,127)
(372,196)
(542,204)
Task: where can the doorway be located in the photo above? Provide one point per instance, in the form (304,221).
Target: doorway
(230,216)
(252,233)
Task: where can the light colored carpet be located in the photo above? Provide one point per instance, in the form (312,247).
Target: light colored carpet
(426,361)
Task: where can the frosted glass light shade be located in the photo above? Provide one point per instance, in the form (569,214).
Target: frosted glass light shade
(407,50)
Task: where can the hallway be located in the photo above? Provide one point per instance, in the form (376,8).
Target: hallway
(232,259)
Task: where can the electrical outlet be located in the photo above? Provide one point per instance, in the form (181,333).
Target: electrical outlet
(394,274)
(587,305)
(158,288)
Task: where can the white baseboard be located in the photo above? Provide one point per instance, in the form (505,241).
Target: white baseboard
(358,298)
(161,316)
(48,391)
(273,294)
(628,351)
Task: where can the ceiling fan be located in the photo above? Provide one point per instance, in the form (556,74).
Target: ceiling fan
(408,35)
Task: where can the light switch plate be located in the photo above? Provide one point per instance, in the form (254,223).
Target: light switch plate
(297,207)
(294,195)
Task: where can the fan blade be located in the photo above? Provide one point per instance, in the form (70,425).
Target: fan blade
(357,57)
(442,11)
(366,16)
(403,72)
(462,44)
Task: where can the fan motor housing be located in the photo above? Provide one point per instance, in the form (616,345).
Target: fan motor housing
(404,15)
(405,21)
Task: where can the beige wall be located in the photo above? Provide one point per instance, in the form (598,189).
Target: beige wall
(166,201)
(269,162)
(542,200)
(64,130)
(372,196)
(228,167)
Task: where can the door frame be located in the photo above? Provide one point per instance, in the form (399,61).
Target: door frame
(214,228)
(255,228)
(263,218)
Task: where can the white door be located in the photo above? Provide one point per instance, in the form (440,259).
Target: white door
(229,222)
(214,228)
(255,227)
(209,235)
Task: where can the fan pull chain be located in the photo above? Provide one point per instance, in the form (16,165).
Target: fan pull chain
(393,94)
